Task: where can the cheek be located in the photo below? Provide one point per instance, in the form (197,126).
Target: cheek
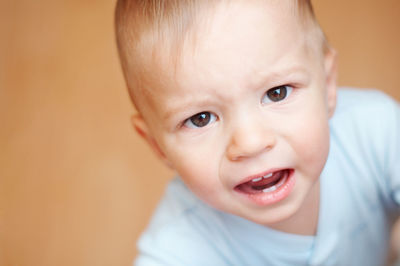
(197,164)
(316,153)
(315,145)
(310,139)
(202,178)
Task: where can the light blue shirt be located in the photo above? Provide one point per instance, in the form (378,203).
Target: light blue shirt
(360,196)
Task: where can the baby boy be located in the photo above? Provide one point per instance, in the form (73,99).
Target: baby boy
(239,97)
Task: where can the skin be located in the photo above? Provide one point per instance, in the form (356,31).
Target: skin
(246,50)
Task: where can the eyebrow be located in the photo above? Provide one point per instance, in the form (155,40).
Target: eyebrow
(184,106)
(262,80)
(277,76)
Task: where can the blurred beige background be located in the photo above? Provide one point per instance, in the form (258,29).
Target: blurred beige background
(77,185)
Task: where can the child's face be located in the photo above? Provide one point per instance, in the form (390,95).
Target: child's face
(252,99)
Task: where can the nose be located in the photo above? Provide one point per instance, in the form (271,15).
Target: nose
(250,139)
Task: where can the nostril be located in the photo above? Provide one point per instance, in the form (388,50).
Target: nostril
(249,146)
(236,158)
(242,156)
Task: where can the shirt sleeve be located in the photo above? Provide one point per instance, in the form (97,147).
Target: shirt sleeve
(367,127)
(393,155)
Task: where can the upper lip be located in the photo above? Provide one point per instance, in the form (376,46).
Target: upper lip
(249,178)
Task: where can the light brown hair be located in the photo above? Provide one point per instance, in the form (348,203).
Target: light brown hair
(146,29)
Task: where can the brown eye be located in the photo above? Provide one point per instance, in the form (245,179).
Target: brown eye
(200,120)
(277,94)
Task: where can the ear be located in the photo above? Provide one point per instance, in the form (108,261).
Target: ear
(330,64)
(143,130)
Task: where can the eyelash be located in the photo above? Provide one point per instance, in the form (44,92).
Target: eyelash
(207,118)
(284,92)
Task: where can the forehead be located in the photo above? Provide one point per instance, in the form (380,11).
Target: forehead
(240,43)
(242,36)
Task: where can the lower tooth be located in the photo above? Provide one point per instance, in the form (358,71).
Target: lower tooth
(270,189)
(274,187)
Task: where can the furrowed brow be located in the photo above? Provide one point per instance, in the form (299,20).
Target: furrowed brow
(182,107)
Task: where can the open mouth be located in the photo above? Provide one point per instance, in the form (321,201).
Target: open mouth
(265,184)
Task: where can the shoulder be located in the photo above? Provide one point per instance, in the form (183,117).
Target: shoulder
(363,103)
(367,115)
(366,121)
(179,232)
(176,203)
(365,141)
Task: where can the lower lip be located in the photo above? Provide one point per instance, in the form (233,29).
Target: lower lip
(269,198)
